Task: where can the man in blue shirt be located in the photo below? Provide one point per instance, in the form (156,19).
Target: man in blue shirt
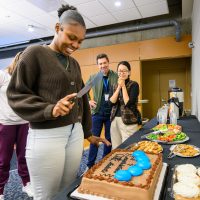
(101,109)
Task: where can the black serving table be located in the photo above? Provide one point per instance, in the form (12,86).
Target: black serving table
(191,127)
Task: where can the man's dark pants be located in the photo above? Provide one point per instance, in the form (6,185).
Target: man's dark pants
(97,124)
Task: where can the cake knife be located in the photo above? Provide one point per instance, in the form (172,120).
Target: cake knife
(88,86)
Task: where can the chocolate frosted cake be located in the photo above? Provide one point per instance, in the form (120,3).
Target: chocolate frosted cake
(101,180)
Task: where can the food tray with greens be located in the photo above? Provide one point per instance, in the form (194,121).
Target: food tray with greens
(168,137)
(168,127)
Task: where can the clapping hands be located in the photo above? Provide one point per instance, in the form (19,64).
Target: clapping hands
(121,82)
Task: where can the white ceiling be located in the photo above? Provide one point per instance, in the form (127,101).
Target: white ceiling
(16,15)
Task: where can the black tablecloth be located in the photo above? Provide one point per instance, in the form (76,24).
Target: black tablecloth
(191,127)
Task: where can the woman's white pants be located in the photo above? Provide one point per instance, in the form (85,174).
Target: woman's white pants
(120,132)
(53,158)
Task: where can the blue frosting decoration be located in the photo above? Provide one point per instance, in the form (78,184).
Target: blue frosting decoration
(135,170)
(123,175)
(144,164)
(142,158)
(138,153)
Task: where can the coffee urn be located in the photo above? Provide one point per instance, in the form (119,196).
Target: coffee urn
(173,107)
(177,93)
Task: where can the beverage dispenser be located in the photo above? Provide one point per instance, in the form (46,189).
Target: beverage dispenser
(174,107)
(179,94)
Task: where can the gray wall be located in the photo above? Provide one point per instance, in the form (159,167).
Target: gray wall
(138,36)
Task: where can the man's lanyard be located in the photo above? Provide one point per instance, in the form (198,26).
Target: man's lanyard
(106,84)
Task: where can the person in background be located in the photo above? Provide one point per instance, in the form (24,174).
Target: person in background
(13,130)
(100,106)
(125,115)
(41,92)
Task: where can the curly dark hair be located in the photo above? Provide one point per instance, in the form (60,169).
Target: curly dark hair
(65,8)
(70,14)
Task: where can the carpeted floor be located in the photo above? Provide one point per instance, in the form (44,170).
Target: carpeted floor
(13,189)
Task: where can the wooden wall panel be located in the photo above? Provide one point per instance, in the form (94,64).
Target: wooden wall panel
(135,71)
(136,76)
(84,56)
(117,53)
(165,48)
(188,96)
(88,70)
(143,50)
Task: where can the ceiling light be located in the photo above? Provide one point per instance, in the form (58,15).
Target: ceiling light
(118,3)
(31,28)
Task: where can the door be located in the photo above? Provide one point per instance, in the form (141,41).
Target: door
(155,82)
(165,75)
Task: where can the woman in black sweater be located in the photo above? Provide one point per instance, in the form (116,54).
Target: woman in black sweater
(125,115)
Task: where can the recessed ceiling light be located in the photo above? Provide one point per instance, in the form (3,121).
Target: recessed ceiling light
(118,3)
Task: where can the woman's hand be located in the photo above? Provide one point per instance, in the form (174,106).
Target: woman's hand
(95,140)
(63,106)
(121,82)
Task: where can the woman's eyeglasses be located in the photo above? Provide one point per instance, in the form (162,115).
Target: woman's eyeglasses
(122,71)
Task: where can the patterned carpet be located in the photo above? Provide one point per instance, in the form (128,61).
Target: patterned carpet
(13,189)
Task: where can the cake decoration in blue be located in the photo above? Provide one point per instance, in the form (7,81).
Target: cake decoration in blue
(135,170)
(138,153)
(123,175)
(144,164)
(142,158)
